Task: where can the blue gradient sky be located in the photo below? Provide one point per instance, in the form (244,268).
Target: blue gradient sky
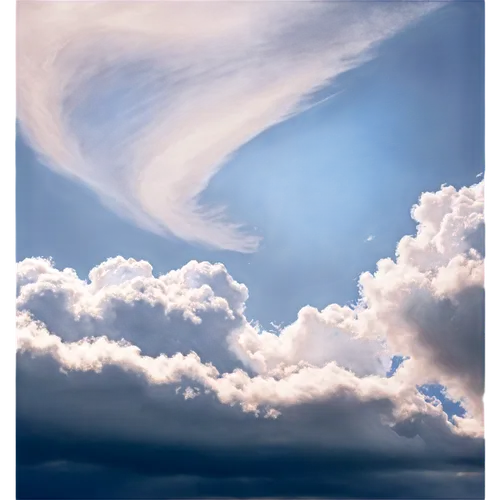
(145,387)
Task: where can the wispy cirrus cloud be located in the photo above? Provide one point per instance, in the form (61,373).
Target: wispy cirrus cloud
(145,102)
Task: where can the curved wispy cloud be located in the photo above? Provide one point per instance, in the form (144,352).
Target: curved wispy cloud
(144,102)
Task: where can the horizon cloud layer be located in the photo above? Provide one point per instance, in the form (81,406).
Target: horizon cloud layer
(169,372)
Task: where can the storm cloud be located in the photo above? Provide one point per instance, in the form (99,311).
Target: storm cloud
(136,385)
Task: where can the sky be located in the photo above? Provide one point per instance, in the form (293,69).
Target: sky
(318,130)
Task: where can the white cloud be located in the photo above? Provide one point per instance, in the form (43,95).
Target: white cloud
(214,75)
(429,302)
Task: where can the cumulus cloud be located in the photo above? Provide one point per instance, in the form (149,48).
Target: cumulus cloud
(429,302)
(145,101)
(171,366)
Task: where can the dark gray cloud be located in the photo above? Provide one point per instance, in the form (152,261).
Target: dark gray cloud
(123,438)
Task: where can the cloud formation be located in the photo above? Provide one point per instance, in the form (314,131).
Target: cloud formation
(429,302)
(145,101)
(169,366)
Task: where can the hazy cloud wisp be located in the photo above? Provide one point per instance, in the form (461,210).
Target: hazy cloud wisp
(144,102)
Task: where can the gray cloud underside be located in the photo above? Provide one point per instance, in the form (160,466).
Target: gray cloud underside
(164,378)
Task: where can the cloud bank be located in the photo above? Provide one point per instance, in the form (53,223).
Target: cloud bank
(164,376)
(144,102)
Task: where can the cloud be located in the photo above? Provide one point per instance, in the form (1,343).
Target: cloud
(145,102)
(429,302)
(163,377)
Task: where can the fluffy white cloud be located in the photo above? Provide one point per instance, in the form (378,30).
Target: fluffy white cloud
(170,366)
(314,338)
(206,77)
(192,309)
(429,302)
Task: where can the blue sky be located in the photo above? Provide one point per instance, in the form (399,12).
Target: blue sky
(316,186)
(140,102)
